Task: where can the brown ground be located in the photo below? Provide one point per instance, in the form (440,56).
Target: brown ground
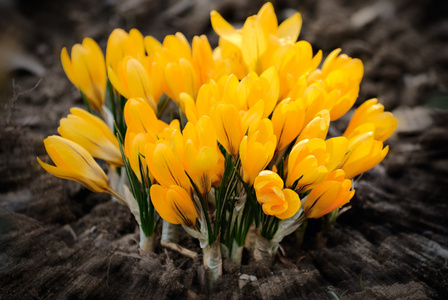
(59,241)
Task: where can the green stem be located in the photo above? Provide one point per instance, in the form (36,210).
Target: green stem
(229,190)
(181,119)
(86,102)
(111,102)
(211,236)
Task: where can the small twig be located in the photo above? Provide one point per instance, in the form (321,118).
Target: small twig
(282,257)
(179,249)
(108,270)
(15,97)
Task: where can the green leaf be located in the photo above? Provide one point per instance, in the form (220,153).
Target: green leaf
(162,105)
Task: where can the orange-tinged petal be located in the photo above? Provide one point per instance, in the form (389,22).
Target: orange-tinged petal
(268,188)
(165,167)
(159,200)
(293,200)
(182,204)
(330,195)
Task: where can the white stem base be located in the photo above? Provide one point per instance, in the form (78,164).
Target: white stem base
(147,243)
(212,263)
(264,249)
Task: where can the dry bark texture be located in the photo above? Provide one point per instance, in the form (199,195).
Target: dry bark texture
(59,241)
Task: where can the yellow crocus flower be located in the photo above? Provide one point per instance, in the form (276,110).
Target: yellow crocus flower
(231,124)
(307,163)
(208,97)
(364,153)
(333,193)
(87,71)
(121,44)
(253,38)
(202,57)
(317,127)
(135,145)
(341,76)
(257,150)
(228,60)
(75,163)
(174,205)
(141,118)
(384,123)
(316,99)
(177,47)
(337,148)
(252,88)
(287,120)
(164,166)
(92,134)
(274,200)
(181,77)
(186,68)
(132,81)
(200,153)
(228,127)
(293,62)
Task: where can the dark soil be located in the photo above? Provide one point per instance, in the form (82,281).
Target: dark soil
(59,241)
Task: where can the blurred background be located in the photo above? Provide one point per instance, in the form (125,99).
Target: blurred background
(399,211)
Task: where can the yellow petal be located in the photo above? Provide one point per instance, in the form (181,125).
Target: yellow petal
(228,128)
(69,175)
(268,18)
(224,29)
(337,147)
(68,67)
(270,81)
(140,117)
(289,29)
(254,42)
(91,133)
(287,121)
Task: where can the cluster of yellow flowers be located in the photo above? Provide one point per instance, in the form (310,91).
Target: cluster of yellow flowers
(254,152)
